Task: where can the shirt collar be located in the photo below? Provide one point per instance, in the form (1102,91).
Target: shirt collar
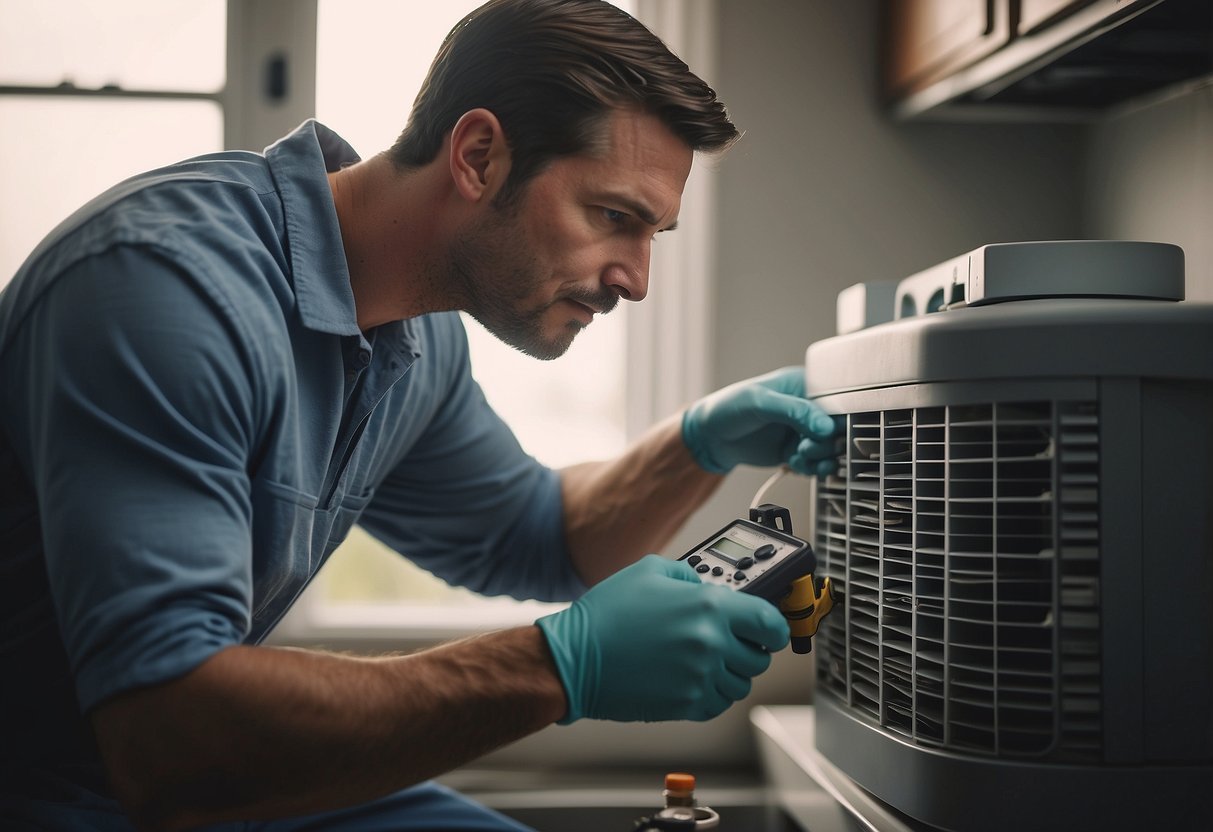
(300,163)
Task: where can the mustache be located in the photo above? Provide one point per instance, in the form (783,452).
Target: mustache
(604,300)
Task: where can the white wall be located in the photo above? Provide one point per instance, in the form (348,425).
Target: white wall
(823,191)
(1149,176)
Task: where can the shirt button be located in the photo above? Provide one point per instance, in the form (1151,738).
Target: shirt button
(364,357)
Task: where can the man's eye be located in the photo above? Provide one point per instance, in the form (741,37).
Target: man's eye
(614,217)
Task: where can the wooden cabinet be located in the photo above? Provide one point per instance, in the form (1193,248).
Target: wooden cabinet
(1060,60)
(926,40)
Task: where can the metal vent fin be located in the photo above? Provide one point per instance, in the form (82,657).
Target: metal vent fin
(963,542)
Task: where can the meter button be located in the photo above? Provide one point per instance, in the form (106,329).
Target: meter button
(717,571)
(764,551)
(703,567)
(739,576)
(694,559)
(745,563)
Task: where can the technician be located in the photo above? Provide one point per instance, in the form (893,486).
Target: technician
(213,370)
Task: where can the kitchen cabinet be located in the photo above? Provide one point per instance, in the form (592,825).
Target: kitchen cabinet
(1054,60)
(930,39)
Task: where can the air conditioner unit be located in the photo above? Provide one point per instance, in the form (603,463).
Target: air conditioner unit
(1020,536)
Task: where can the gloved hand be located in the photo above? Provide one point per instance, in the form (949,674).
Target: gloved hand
(762,421)
(653,642)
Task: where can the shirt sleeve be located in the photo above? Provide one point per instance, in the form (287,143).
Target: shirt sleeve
(468,504)
(135,422)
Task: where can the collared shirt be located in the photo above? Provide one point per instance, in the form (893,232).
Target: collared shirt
(192,421)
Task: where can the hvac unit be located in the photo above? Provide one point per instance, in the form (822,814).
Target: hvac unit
(1020,538)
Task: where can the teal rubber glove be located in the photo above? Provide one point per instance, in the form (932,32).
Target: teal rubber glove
(652,642)
(763,421)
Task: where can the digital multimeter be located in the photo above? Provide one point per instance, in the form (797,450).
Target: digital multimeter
(752,559)
(758,559)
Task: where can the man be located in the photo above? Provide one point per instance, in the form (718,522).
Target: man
(213,370)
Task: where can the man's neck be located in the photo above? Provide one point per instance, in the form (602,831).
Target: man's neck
(392,232)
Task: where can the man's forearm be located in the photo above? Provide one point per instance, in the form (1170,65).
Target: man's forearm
(618,511)
(259,732)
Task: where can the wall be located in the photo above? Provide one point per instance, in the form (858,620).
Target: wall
(1149,176)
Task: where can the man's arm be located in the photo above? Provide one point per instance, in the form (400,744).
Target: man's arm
(260,732)
(619,510)
(257,732)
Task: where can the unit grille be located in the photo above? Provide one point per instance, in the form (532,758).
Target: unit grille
(962,542)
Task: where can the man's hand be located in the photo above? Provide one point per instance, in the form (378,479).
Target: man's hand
(763,421)
(653,642)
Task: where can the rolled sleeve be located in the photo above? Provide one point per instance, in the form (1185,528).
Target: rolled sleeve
(138,414)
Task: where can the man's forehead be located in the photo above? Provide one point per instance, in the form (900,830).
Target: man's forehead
(643,160)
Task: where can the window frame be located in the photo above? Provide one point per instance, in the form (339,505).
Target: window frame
(68,89)
(258,35)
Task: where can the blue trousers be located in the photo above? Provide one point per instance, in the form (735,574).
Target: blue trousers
(428,807)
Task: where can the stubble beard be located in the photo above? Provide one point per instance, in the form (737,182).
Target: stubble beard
(497,275)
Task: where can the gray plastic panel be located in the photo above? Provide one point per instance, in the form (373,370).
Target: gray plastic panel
(1125,492)
(1082,268)
(957,393)
(963,794)
(864,305)
(1046,339)
(1002,272)
(1020,534)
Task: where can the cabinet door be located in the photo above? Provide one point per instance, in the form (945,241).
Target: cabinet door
(926,40)
(1037,14)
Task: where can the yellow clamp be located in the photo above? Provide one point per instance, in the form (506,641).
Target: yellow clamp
(804,607)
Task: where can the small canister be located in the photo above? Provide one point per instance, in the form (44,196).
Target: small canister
(681,811)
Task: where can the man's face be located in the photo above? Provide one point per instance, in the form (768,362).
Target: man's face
(575,240)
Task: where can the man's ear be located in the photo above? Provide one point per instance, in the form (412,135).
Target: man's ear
(480,157)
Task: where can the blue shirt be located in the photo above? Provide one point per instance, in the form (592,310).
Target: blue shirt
(192,421)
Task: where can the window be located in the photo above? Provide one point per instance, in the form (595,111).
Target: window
(91,93)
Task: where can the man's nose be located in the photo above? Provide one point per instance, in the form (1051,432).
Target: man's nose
(630,279)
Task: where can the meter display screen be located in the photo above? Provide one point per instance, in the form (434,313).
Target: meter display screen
(730,550)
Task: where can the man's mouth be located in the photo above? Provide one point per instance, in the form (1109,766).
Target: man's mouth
(600,303)
(583,310)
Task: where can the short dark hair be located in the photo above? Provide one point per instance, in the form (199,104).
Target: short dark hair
(551,71)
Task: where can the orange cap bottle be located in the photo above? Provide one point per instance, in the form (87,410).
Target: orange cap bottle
(679,789)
